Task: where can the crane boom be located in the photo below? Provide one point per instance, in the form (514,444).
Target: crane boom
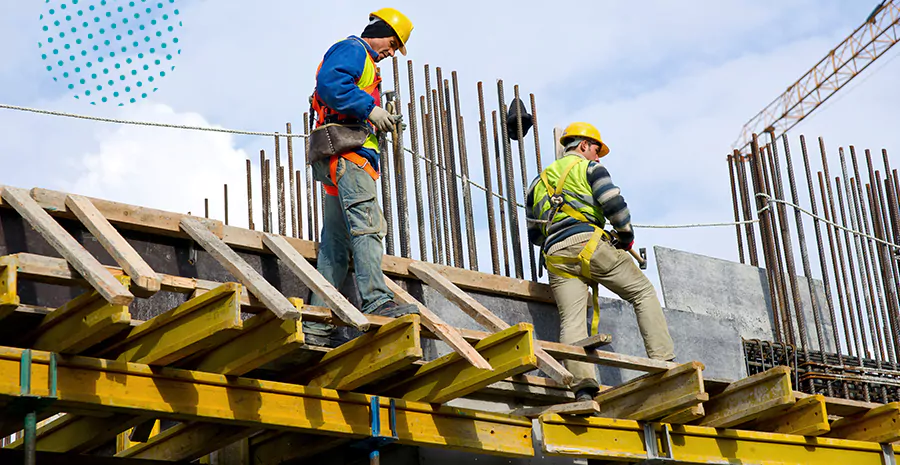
(843,63)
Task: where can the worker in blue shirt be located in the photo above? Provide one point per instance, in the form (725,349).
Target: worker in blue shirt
(347,92)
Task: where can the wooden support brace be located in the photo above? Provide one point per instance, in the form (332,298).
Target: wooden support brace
(196,325)
(881,424)
(263,339)
(754,398)
(587,407)
(118,248)
(510,352)
(485,317)
(316,282)
(439,328)
(80,324)
(239,268)
(104,282)
(9,287)
(186,442)
(368,358)
(655,396)
(806,417)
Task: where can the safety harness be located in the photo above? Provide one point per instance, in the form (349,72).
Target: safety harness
(559,203)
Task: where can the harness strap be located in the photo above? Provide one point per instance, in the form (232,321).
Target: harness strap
(583,259)
(354,158)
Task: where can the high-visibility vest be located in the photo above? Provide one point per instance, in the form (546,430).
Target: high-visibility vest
(566,181)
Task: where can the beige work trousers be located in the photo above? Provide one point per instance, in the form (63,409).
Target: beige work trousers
(615,270)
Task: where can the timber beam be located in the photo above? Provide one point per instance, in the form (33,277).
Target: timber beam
(92,384)
(758,397)
(585,407)
(9,290)
(510,352)
(186,442)
(196,325)
(80,433)
(806,417)
(624,440)
(654,396)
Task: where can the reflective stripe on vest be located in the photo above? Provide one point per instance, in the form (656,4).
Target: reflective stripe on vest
(368,82)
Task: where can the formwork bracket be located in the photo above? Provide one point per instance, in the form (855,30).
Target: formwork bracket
(887,454)
(377,440)
(652,443)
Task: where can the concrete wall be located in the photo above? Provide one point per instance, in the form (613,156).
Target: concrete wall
(729,291)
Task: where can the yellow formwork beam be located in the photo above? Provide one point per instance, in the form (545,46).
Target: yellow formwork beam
(510,352)
(81,323)
(370,357)
(757,397)
(202,322)
(93,384)
(623,440)
(654,396)
(174,443)
(78,433)
(264,338)
(807,417)
(881,424)
(9,291)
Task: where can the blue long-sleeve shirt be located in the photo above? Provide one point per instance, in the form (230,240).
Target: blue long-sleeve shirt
(341,68)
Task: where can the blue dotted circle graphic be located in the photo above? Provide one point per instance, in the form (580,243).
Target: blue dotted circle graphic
(110,51)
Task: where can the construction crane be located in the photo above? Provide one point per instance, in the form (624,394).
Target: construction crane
(867,43)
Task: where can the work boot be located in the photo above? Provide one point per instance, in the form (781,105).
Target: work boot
(392,309)
(331,340)
(586,394)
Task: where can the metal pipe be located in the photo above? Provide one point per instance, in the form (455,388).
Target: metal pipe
(486,169)
(537,139)
(464,167)
(499,164)
(746,203)
(520,144)
(226,204)
(450,158)
(310,216)
(250,224)
(510,188)
(775,246)
(765,217)
(290,156)
(400,167)
(434,210)
(804,254)
(737,216)
(442,177)
(417,175)
(279,186)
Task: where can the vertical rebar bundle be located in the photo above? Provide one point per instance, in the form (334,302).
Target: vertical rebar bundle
(250,224)
(510,188)
(290,156)
(464,168)
(414,146)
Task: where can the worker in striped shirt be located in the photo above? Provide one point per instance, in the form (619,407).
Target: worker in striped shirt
(567,207)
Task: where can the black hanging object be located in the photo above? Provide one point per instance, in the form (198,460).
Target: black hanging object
(511,126)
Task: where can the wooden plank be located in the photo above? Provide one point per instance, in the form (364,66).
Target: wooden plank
(316,282)
(881,424)
(485,317)
(510,352)
(9,287)
(111,289)
(753,398)
(655,396)
(165,223)
(79,324)
(263,339)
(236,265)
(685,416)
(439,328)
(806,417)
(192,327)
(79,434)
(368,358)
(592,342)
(118,248)
(185,442)
(587,407)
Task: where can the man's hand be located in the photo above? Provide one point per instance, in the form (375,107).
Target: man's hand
(623,246)
(625,240)
(383,120)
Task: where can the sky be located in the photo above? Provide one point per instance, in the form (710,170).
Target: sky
(669,85)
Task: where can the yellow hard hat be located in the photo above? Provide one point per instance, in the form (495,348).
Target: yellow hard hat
(399,22)
(584,130)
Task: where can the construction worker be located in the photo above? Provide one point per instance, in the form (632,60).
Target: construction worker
(567,207)
(347,92)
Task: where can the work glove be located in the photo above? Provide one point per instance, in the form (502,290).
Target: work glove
(383,120)
(626,241)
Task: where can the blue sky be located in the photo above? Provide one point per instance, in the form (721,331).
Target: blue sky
(669,84)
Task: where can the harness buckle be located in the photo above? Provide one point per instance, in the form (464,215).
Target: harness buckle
(557,199)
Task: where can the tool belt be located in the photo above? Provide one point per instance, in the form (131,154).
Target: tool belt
(334,139)
(584,260)
(352,157)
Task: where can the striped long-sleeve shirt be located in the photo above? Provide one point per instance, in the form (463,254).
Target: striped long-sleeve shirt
(604,193)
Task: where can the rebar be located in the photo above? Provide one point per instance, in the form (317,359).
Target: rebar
(386,198)
(497,161)
(746,204)
(804,253)
(464,168)
(889,267)
(250,224)
(206,208)
(310,216)
(521,145)
(537,139)
(765,217)
(297,183)
(434,130)
(400,167)
(775,247)
(434,209)
(279,186)
(450,159)
(881,281)
(417,175)
(737,216)
(441,170)
(226,204)
(486,169)
(510,188)
(290,156)
(884,266)
(839,279)
(264,183)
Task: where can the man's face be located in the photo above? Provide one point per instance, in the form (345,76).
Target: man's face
(385,47)
(590,150)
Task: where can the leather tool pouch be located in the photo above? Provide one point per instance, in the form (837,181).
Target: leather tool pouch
(333,139)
